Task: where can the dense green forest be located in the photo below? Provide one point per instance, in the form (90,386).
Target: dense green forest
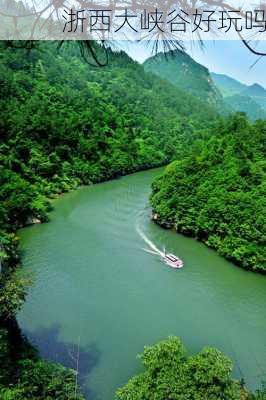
(217,192)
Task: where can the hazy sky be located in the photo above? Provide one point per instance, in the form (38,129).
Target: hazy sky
(226,57)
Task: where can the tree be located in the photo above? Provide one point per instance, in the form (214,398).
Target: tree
(171,374)
(41,380)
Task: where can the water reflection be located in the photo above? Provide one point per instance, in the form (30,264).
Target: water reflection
(51,347)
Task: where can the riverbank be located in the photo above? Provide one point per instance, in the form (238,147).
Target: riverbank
(9,253)
(155,217)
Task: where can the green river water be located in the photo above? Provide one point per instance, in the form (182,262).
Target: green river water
(96,289)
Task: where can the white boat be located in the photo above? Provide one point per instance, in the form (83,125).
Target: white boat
(172,261)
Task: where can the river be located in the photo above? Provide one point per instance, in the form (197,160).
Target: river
(99,294)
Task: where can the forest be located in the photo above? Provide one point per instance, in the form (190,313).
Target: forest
(65,123)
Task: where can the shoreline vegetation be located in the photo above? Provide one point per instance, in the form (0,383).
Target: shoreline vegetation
(74,125)
(216,194)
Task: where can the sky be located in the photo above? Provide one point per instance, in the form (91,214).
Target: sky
(231,58)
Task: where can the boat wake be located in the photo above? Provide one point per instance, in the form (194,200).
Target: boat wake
(153,249)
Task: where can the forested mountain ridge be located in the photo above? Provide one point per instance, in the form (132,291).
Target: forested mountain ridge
(182,71)
(75,124)
(224,93)
(217,192)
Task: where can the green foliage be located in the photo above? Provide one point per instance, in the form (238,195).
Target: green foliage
(171,374)
(75,124)
(260,394)
(41,380)
(12,293)
(217,192)
(13,283)
(5,357)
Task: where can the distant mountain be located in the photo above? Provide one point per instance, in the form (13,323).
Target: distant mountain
(255,90)
(245,104)
(241,97)
(182,71)
(227,85)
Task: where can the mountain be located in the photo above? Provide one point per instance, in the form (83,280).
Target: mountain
(241,97)
(221,91)
(182,71)
(255,90)
(257,93)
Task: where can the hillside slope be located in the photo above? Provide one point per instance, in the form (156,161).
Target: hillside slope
(257,93)
(228,86)
(186,74)
(217,193)
(76,124)
(247,105)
